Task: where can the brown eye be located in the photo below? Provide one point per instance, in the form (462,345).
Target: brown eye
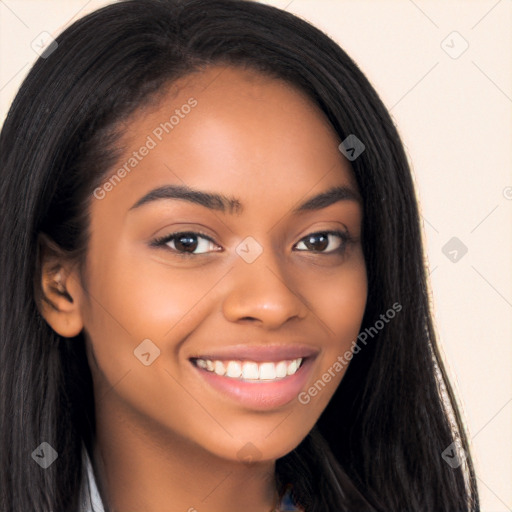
(318,242)
(185,243)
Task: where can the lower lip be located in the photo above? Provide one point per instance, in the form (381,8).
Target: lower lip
(260,395)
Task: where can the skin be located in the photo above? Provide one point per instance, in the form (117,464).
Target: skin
(165,438)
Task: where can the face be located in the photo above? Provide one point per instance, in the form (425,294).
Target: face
(245,270)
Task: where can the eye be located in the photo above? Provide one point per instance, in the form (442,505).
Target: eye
(185,243)
(321,240)
(192,243)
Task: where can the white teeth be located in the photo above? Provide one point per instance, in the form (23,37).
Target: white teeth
(292,367)
(234,369)
(267,371)
(250,370)
(281,369)
(201,363)
(218,367)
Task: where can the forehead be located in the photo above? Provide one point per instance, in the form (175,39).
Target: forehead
(230,129)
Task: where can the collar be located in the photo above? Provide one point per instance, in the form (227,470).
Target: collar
(90,499)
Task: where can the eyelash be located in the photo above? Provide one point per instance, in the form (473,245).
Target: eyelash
(164,240)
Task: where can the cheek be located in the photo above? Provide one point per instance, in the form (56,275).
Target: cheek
(339,301)
(137,309)
(135,300)
(148,299)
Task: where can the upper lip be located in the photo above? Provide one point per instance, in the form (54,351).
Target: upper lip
(258,353)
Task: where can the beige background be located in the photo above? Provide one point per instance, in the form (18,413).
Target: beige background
(453,110)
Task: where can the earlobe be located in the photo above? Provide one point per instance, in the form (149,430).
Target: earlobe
(60,300)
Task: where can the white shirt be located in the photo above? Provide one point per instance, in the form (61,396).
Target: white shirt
(90,499)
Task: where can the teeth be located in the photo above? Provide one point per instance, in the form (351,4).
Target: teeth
(281,369)
(201,363)
(218,367)
(292,367)
(234,369)
(267,371)
(250,370)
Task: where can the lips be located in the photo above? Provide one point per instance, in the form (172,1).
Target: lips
(265,392)
(259,395)
(258,353)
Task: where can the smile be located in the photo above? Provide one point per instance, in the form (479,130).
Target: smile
(250,370)
(255,385)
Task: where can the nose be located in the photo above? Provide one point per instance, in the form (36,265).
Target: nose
(261,292)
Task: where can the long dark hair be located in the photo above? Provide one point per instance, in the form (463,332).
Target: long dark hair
(379,443)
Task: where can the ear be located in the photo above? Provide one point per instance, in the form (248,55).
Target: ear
(59,294)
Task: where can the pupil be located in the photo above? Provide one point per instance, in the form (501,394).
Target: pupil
(310,242)
(190,242)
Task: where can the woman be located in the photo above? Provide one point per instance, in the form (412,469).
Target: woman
(214,295)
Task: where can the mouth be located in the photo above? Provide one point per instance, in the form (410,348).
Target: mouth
(250,371)
(257,378)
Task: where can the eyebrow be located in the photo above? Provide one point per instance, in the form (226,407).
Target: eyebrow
(233,205)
